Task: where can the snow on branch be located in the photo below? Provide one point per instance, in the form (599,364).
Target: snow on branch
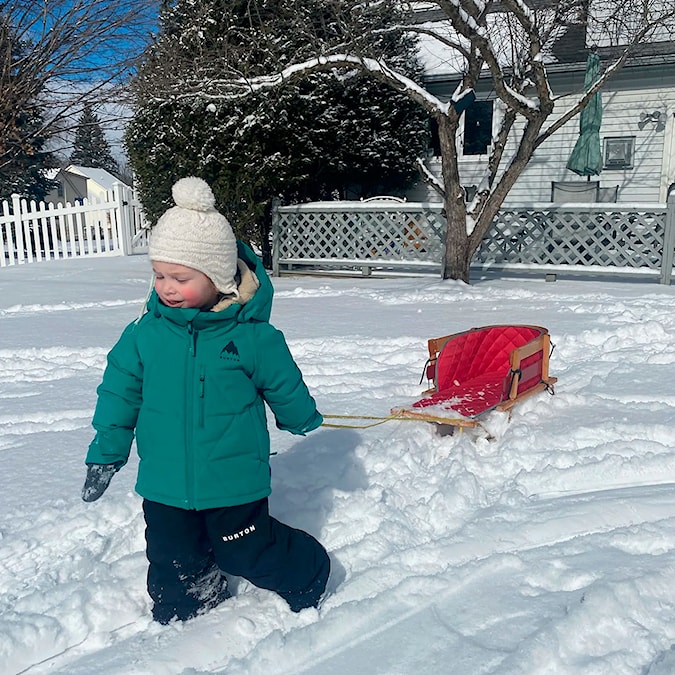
(240,86)
(430,178)
(523,13)
(529,102)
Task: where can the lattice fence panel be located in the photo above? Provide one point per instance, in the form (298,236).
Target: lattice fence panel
(391,234)
(590,235)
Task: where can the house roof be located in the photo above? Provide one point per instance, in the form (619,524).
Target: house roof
(100,176)
(569,50)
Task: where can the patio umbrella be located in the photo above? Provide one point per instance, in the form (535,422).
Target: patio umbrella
(586,157)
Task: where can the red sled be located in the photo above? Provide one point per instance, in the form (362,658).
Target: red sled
(482,369)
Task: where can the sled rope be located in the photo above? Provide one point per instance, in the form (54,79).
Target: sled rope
(380,420)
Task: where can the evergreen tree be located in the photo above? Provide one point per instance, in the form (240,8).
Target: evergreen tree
(24,159)
(334,135)
(90,147)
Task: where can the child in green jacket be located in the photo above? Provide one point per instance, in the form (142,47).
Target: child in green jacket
(190,380)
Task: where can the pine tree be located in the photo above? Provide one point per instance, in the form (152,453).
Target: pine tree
(334,135)
(90,147)
(24,160)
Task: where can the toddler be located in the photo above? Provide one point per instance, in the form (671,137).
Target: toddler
(190,379)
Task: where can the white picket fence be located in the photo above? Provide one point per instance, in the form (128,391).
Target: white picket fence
(37,231)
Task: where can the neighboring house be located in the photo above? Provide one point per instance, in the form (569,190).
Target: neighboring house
(76,183)
(70,188)
(637,133)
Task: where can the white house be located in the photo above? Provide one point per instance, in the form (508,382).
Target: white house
(76,183)
(637,133)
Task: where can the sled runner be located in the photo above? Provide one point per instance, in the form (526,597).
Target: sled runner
(482,369)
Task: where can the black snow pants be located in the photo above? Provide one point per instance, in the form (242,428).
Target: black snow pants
(189,551)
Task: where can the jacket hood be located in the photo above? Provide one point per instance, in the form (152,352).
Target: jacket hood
(259,307)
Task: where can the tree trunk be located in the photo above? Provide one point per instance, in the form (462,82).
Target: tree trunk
(264,228)
(457,256)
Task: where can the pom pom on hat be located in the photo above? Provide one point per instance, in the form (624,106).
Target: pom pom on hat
(194,234)
(193,193)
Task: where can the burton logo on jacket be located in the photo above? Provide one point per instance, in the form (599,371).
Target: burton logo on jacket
(230,352)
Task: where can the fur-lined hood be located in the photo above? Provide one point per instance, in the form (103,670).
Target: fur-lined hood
(247,285)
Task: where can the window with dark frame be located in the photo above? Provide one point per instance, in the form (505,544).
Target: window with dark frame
(477,127)
(434,140)
(618,152)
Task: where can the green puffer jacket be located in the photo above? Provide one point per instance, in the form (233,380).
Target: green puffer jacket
(193,385)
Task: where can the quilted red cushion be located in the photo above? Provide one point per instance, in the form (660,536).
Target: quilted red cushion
(469,399)
(473,369)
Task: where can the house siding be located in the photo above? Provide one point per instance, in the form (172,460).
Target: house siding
(73,189)
(633,93)
(621,115)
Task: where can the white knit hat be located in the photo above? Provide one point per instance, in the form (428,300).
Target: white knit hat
(194,234)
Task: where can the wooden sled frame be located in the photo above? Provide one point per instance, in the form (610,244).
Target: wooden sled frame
(542,344)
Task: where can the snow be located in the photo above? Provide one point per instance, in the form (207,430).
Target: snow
(547,548)
(435,51)
(532,103)
(403,83)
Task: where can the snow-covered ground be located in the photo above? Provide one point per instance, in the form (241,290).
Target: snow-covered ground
(548,549)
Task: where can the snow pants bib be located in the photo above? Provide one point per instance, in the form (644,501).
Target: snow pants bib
(189,551)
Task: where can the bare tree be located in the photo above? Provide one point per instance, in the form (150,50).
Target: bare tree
(513,40)
(60,54)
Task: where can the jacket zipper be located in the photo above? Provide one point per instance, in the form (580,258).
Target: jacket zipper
(193,338)
(189,416)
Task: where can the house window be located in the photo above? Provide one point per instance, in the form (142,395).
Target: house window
(434,140)
(59,190)
(478,128)
(618,152)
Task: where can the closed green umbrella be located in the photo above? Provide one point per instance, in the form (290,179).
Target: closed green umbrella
(586,158)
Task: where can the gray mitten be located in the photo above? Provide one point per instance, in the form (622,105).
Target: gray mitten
(97,480)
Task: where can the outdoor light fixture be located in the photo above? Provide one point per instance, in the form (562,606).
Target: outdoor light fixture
(657,117)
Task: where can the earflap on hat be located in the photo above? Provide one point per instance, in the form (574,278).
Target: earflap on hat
(193,233)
